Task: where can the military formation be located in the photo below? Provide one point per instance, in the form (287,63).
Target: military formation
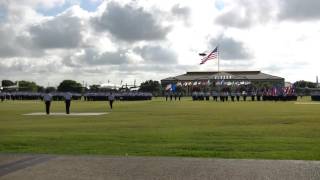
(242,96)
(266,95)
(60,96)
(56,96)
(47,98)
(122,96)
(173,96)
(315,96)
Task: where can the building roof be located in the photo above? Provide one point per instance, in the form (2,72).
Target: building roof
(234,75)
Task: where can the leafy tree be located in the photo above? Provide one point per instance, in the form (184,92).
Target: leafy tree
(6,83)
(94,88)
(70,86)
(28,86)
(304,84)
(151,86)
(40,88)
(50,89)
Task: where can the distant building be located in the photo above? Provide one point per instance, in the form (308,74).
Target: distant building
(288,84)
(225,78)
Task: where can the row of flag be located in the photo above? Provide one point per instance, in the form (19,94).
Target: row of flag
(208,82)
(276,91)
(205,83)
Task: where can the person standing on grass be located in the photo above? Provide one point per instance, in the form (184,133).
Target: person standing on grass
(244,95)
(47,98)
(111,99)
(232,95)
(207,96)
(2,96)
(67,100)
(238,96)
(166,94)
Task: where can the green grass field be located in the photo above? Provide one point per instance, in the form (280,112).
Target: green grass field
(255,130)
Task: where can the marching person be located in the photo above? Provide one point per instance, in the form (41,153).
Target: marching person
(232,95)
(201,95)
(253,95)
(67,100)
(194,96)
(215,96)
(222,96)
(226,95)
(259,96)
(238,95)
(111,99)
(179,95)
(47,100)
(244,95)
(208,96)
(2,96)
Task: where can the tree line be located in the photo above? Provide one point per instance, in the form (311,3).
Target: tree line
(151,86)
(30,86)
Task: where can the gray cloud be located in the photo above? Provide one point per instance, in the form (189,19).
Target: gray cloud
(157,55)
(3,12)
(12,45)
(93,57)
(299,10)
(130,24)
(246,14)
(233,19)
(152,55)
(154,68)
(231,49)
(63,31)
(28,67)
(7,49)
(182,12)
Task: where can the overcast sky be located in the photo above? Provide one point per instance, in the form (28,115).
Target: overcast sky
(94,41)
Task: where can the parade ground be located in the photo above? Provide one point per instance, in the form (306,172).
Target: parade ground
(236,130)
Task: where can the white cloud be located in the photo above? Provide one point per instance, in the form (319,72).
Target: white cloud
(142,39)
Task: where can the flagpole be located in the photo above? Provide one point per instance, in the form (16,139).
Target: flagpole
(218,58)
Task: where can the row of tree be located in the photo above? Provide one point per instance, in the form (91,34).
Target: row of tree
(73,86)
(29,86)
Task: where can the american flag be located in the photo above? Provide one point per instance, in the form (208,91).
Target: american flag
(212,55)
